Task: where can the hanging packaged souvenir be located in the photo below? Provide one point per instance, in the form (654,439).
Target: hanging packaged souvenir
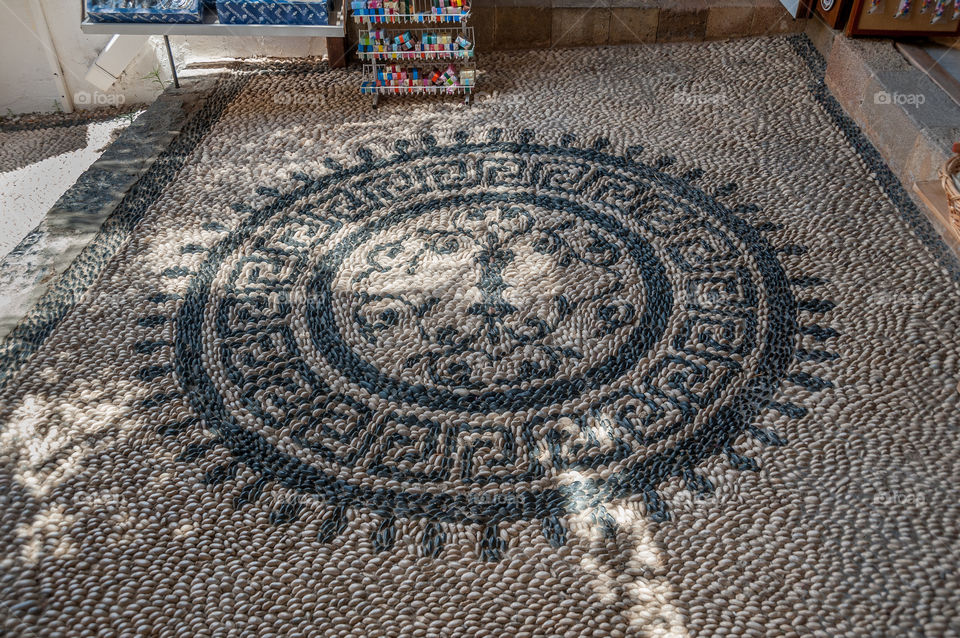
(938,10)
(903,9)
(875,6)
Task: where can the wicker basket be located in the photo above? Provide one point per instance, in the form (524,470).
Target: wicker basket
(947,171)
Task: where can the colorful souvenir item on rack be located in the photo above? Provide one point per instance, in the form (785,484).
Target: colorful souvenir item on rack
(903,9)
(449,77)
(404,41)
(364,7)
(438,42)
(463,43)
(398,79)
(874,6)
(381,10)
(166,11)
(956,9)
(378,11)
(938,10)
(394,76)
(449,10)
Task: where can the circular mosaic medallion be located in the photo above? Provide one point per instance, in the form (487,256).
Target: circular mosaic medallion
(487,332)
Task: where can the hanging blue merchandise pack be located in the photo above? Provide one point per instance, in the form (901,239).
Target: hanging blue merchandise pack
(144,10)
(272,11)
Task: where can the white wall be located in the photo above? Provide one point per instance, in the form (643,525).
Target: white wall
(27,83)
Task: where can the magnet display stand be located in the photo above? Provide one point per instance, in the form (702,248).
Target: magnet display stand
(416,47)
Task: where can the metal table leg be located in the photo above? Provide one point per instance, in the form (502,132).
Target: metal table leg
(173,66)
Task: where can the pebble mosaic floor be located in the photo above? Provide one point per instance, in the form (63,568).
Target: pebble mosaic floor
(609,353)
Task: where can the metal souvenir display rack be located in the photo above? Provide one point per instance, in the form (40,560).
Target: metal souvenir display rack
(421,56)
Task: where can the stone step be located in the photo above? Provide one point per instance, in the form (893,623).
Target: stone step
(912,122)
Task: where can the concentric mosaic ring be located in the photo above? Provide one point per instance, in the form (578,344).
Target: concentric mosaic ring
(487,332)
